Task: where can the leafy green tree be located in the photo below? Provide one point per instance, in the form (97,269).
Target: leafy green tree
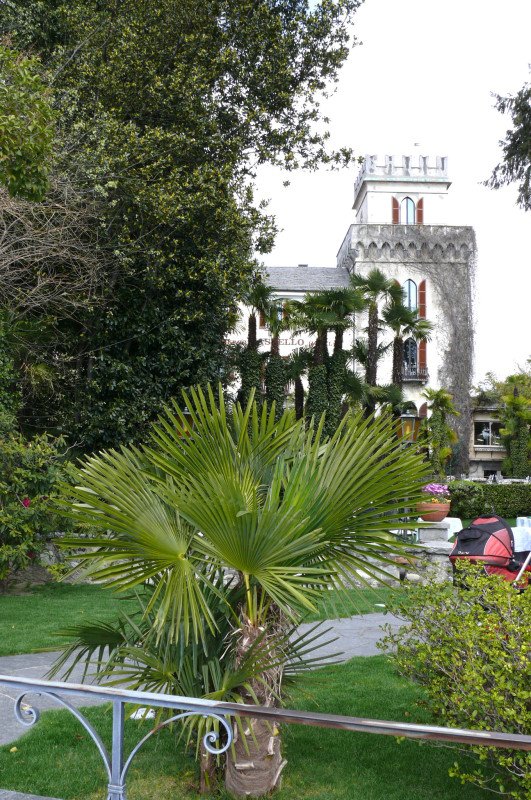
(234,491)
(516,434)
(437,434)
(516,164)
(164,112)
(26,126)
(512,395)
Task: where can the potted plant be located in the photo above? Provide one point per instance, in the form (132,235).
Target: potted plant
(437,503)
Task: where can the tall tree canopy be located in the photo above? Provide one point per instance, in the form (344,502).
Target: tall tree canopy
(164,110)
(516,147)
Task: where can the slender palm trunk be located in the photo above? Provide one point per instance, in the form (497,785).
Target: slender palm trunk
(275,345)
(372,345)
(299,398)
(338,341)
(398,362)
(252,339)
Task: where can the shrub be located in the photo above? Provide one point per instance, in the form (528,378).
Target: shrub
(470,649)
(29,471)
(470,499)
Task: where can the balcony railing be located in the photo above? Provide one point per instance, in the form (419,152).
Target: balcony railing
(221,714)
(412,373)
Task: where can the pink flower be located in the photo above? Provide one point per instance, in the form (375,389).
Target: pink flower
(26,502)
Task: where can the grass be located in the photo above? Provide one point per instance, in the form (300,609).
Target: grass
(28,622)
(58,759)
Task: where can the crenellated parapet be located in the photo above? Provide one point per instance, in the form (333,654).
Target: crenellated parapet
(406,244)
(424,169)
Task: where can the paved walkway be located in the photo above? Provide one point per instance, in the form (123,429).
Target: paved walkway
(356,636)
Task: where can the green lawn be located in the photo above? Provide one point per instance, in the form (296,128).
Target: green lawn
(28,622)
(58,759)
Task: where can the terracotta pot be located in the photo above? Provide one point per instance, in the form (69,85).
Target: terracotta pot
(433,512)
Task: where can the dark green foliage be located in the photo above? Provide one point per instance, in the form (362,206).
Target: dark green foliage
(470,499)
(470,649)
(275,380)
(317,398)
(26,126)
(336,373)
(516,164)
(515,416)
(164,109)
(29,472)
(250,363)
(436,433)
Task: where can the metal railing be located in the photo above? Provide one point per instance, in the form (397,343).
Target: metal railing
(117,768)
(414,373)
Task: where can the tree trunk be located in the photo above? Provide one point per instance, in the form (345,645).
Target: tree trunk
(254,762)
(299,398)
(338,341)
(252,339)
(372,345)
(275,345)
(398,362)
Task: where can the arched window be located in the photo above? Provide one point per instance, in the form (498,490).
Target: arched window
(410,358)
(410,294)
(407,211)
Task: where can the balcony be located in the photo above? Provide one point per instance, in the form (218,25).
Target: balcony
(414,374)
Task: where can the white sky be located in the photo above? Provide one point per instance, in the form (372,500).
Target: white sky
(425,73)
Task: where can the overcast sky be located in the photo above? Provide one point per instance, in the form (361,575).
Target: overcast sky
(425,73)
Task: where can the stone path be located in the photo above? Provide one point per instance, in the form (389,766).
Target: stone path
(356,636)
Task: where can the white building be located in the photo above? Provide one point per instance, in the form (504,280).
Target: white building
(400,227)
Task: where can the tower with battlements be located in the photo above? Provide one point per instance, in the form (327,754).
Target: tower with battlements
(401,228)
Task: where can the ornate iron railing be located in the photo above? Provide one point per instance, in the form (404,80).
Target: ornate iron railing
(117,768)
(415,373)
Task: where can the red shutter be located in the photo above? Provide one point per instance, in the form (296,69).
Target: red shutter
(396,211)
(422,354)
(423,411)
(422,299)
(420,211)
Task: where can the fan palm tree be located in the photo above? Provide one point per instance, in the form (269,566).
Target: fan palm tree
(275,377)
(376,287)
(233,490)
(296,365)
(258,297)
(342,304)
(312,316)
(404,323)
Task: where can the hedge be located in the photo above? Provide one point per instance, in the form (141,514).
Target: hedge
(470,499)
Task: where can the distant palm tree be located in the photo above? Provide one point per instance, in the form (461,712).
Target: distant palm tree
(342,304)
(259,298)
(376,287)
(296,365)
(275,373)
(404,323)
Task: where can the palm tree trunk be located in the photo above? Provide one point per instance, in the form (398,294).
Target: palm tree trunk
(338,341)
(299,398)
(398,362)
(372,345)
(275,345)
(252,339)
(254,763)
